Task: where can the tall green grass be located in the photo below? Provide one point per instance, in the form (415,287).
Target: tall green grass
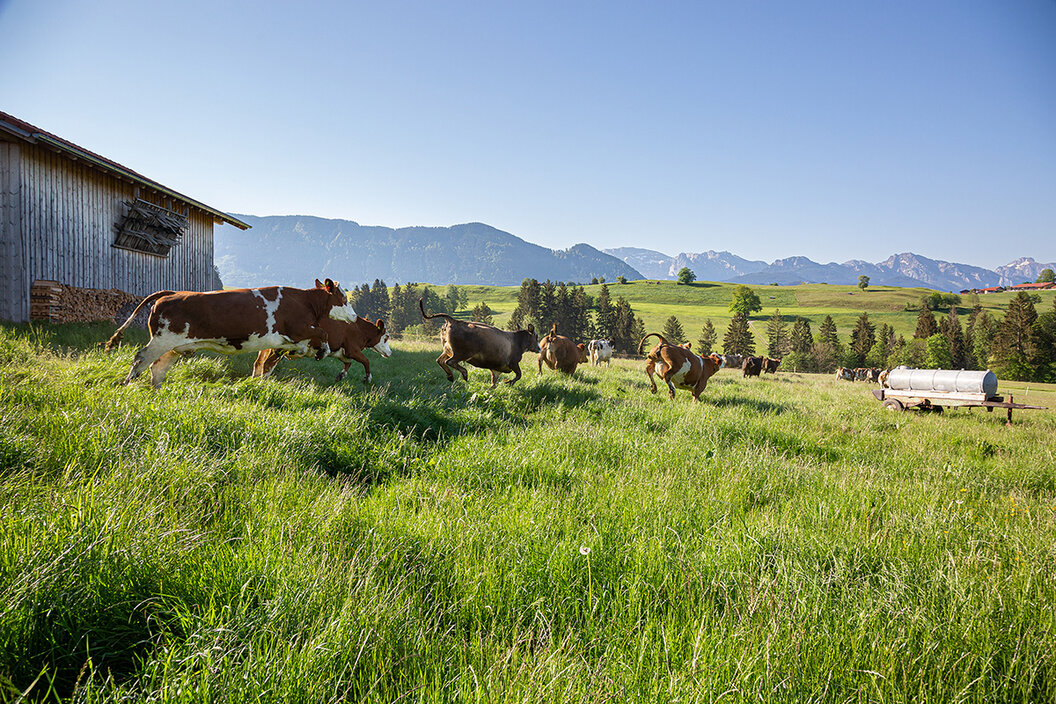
(228,539)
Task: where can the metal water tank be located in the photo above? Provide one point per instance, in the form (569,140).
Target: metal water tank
(948,380)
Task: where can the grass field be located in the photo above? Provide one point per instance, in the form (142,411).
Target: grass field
(786,540)
(655,301)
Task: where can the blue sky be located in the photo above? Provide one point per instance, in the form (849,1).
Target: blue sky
(834,130)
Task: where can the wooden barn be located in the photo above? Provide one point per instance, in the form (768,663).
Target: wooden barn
(72,218)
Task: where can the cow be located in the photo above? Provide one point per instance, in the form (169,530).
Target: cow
(483,346)
(600,351)
(560,353)
(881,378)
(770,365)
(751,366)
(861,373)
(236,320)
(347,342)
(845,374)
(732,361)
(872,375)
(678,366)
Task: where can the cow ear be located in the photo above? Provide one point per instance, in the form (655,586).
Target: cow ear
(531,328)
(381,324)
(330,285)
(319,284)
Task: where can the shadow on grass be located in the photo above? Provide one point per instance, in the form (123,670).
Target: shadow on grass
(757,405)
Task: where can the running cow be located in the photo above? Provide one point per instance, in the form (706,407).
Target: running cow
(483,346)
(237,320)
(678,366)
(600,351)
(347,342)
(560,353)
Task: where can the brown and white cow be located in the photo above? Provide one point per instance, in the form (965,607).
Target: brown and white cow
(845,374)
(560,353)
(347,342)
(236,320)
(678,366)
(483,346)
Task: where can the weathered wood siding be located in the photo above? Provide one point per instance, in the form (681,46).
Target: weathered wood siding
(14,289)
(68,211)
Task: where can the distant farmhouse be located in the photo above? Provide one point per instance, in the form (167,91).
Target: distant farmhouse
(1017,287)
(72,218)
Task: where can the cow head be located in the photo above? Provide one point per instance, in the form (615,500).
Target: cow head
(527,339)
(382,346)
(340,308)
(584,356)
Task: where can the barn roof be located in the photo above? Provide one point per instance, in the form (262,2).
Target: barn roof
(34,135)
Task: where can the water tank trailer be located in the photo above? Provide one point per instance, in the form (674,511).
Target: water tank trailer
(934,389)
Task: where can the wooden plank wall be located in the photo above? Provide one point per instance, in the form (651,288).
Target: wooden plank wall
(69,210)
(14,285)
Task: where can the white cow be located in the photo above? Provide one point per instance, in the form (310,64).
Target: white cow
(600,351)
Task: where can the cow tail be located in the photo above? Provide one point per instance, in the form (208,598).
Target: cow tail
(434,315)
(120,332)
(641,344)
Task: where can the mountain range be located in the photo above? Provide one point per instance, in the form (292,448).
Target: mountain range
(296,249)
(905,269)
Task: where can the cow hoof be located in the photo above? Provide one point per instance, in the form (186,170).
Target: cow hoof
(319,355)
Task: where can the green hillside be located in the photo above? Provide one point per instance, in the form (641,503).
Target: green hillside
(654,301)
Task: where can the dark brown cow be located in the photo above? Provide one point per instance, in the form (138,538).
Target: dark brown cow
(347,342)
(770,365)
(560,353)
(678,366)
(483,346)
(751,366)
(237,320)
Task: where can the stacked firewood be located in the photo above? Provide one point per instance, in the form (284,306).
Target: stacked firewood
(59,303)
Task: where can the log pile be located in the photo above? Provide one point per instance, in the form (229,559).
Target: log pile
(58,303)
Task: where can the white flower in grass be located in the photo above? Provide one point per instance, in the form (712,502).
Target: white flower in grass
(584,550)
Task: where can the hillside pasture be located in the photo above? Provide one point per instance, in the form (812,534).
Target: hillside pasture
(559,540)
(692,304)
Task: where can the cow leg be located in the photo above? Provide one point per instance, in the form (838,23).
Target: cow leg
(670,389)
(316,336)
(442,361)
(494,378)
(516,367)
(461,370)
(146,356)
(667,376)
(650,367)
(160,367)
(362,359)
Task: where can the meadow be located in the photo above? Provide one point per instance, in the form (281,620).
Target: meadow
(225,539)
(692,304)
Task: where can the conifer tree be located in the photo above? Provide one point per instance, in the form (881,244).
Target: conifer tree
(1015,347)
(863,338)
(482,314)
(950,328)
(527,310)
(604,315)
(800,344)
(673,331)
(708,338)
(739,338)
(777,336)
(828,351)
(926,325)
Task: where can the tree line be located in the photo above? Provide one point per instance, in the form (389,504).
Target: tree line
(1020,346)
(577,315)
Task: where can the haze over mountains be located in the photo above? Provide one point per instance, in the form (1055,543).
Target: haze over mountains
(296,249)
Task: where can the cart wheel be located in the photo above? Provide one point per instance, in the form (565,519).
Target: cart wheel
(893,404)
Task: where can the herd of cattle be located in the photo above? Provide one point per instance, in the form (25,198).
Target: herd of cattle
(870,374)
(277,321)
